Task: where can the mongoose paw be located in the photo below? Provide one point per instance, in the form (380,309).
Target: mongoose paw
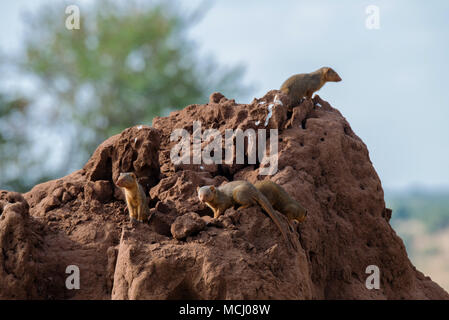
(294,225)
(134,221)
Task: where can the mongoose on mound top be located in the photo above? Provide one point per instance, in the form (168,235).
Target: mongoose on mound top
(303,85)
(281,200)
(240,193)
(135,196)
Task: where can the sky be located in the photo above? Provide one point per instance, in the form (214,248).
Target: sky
(394,91)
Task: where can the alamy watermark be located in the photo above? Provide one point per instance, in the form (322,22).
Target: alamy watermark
(189,149)
(73,20)
(373,280)
(73,280)
(372,21)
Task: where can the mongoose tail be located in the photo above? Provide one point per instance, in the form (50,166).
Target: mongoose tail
(240,193)
(281,200)
(265,204)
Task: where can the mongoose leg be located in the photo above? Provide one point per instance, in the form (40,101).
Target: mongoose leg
(140,215)
(217,213)
(244,206)
(134,212)
(241,198)
(130,209)
(137,212)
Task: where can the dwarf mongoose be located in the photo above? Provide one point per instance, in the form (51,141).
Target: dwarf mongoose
(303,85)
(281,200)
(135,196)
(240,193)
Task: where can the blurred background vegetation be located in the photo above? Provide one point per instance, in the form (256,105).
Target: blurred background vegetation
(429,208)
(421,218)
(127,63)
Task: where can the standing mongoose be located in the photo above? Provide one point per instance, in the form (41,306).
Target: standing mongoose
(135,196)
(281,200)
(240,193)
(303,85)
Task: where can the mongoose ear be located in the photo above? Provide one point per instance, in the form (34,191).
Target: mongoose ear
(212,188)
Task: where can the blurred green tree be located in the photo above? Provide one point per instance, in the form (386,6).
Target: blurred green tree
(18,167)
(429,208)
(10,139)
(127,63)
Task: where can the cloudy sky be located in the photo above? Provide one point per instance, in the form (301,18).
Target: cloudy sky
(394,91)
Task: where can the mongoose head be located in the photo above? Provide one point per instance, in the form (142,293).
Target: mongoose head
(330,75)
(206,193)
(296,212)
(126,180)
(302,217)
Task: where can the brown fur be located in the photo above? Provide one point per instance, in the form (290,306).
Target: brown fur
(304,85)
(240,193)
(136,199)
(281,200)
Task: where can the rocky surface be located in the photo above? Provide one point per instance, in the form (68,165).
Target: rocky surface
(182,253)
(186,225)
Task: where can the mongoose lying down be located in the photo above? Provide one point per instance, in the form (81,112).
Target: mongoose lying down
(135,196)
(281,200)
(240,193)
(303,85)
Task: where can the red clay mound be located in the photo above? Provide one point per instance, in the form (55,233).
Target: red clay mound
(183,253)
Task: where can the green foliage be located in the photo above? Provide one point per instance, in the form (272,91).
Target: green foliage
(125,65)
(432,209)
(122,67)
(12,137)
